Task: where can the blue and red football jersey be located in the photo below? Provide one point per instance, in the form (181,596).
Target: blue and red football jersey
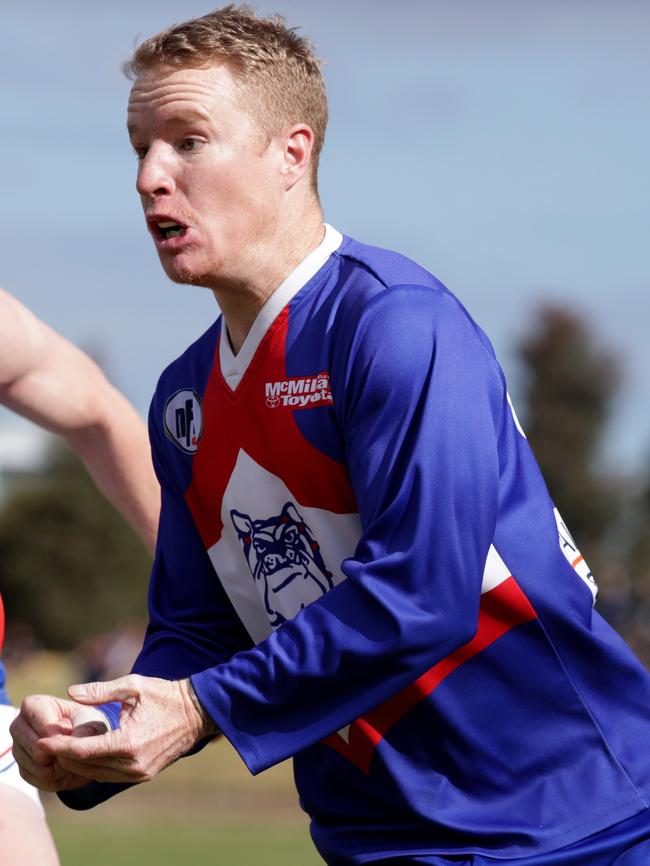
(360,566)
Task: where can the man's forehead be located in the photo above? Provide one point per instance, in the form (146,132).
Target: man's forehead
(202,83)
(197,88)
(176,111)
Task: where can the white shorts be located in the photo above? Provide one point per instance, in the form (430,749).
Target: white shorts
(9,774)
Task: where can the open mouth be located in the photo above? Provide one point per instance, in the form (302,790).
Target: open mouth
(169,229)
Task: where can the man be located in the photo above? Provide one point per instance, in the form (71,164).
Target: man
(47,379)
(358,564)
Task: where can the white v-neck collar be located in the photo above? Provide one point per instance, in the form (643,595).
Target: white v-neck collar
(234,366)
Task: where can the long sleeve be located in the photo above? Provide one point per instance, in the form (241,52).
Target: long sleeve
(191,621)
(419,398)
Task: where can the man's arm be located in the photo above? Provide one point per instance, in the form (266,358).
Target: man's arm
(53,383)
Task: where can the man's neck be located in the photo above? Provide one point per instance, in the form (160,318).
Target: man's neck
(274,261)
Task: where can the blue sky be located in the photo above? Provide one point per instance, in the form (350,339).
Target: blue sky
(504,144)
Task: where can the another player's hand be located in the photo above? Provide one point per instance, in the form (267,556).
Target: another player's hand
(45,716)
(159,722)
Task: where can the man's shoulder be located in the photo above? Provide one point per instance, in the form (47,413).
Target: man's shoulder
(191,369)
(376,282)
(386,267)
(383,295)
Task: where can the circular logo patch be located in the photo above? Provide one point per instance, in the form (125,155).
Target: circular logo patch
(183,419)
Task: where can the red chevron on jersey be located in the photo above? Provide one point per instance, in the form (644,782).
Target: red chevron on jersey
(233,422)
(502,609)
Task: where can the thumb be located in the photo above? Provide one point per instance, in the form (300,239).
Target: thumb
(100,693)
(60,726)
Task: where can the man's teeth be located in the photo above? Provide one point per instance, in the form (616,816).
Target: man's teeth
(171,229)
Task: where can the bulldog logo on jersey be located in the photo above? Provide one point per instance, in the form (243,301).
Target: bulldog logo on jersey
(285,560)
(183,419)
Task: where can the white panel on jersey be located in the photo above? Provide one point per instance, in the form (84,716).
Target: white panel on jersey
(234,366)
(495,571)
(276,555)
(345,734)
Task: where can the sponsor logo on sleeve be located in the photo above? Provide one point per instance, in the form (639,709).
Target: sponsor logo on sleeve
(573,556)
(183,420)
(303,392)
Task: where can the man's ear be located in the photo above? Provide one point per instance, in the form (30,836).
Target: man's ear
(298,145)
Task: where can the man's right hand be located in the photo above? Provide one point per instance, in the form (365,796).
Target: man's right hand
(45,716)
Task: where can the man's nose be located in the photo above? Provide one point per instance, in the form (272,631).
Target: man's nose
(155,175)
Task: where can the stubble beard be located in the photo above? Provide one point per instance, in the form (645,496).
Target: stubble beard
(200,277)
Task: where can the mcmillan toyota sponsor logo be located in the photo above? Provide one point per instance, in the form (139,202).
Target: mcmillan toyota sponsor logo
(303,392)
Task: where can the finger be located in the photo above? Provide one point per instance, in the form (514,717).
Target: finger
(36,781)
(63,782)
(100,693)
(35,763)
(42,713)
(25,744)
(45,777)
(61,726)
(85,748)
(107,758)
(100,772)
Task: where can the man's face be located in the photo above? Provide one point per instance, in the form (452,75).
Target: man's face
(209,185)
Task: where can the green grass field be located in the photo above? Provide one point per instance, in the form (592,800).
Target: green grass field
(206,809)
(171,844)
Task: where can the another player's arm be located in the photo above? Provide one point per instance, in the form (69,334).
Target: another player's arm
(53,383)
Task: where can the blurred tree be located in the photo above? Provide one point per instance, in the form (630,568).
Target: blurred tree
(569,385)
(640,546)
(637,624)
(70,566)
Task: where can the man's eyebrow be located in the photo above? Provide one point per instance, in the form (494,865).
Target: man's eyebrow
(184,117)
